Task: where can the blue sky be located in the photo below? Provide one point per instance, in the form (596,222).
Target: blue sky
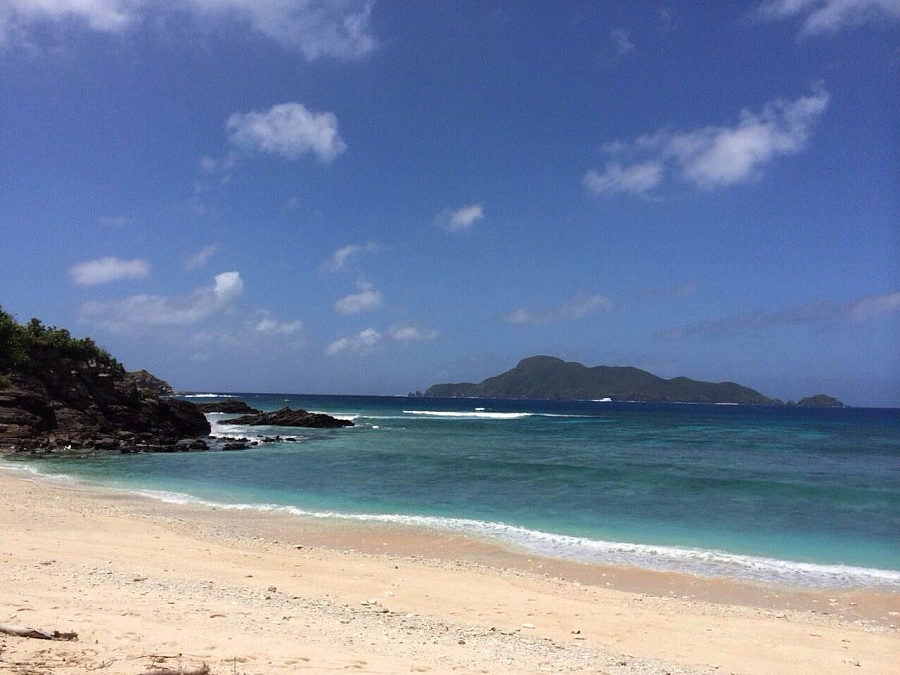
(371,197)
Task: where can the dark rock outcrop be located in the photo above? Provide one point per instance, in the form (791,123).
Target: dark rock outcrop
(820,401)
(149,383)
(292,418)
(91,410)
(229,406)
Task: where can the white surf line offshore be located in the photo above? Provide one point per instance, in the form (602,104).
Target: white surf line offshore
(481,414)
(208,395)
(701,562)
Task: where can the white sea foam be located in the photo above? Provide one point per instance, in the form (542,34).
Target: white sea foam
(703,562)
(208,395)
(479,414)
(470,415)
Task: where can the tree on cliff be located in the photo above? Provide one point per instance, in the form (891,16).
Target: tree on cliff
(27,348)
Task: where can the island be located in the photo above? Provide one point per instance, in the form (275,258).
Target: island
(547,377)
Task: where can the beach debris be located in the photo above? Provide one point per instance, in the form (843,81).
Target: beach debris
(527,625)
(202,670)
(272,589)
(36,633)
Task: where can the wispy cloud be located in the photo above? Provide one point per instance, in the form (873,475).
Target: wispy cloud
(367,299)
(363,342)
(710,157)
(335,28)
(829,16)
(814,313)
(104,270)
(115,221)
(621,41)
(458,220)
(342,256)
(288,130)
(271,326)
(201,257)
(141,311)
(575,308)
(411,333)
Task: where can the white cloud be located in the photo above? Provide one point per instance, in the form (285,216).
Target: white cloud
(622,41)
(363,342)
(412,334)
(460,219)
(575,308)
(636,179)
(287,129)
(711,157)
(367,299)
(142,311)
(823,314)
(272,326)
(342,256)
(199,259)
(314,28)
(828,16)
(104,270)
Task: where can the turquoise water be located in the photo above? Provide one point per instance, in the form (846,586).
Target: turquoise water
(788,495)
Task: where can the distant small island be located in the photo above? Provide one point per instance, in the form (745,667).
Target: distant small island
(547,377)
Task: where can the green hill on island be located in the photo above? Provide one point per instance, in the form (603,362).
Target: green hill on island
(546,377)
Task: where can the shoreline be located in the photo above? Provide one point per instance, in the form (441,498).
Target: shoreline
(451,585)
(511,542)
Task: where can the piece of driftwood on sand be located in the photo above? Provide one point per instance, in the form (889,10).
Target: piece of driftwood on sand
(37,633)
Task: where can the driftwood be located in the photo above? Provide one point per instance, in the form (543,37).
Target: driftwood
(37,633)
(202,670)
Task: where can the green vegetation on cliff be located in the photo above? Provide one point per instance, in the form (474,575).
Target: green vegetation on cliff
(546,377)
(26,349)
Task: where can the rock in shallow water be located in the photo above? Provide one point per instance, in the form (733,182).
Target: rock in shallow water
(292,418)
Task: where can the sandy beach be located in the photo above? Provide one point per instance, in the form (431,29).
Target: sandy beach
(148,584)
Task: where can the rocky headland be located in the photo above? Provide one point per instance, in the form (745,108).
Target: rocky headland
(62,394)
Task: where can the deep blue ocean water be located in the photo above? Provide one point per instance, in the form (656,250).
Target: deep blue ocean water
(791,495)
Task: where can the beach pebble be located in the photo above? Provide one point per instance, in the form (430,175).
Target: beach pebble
(527,625)
(271,589)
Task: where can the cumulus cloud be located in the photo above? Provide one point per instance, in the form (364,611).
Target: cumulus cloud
(460,219)
(288,130)
(200,258)
(314,28)
(143,311)
(621,41)
(104,270)
(411,333)
(367,299)
(829,16)
(814,313)
(575,308)
(363,342)
(342,256)
(711,157)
